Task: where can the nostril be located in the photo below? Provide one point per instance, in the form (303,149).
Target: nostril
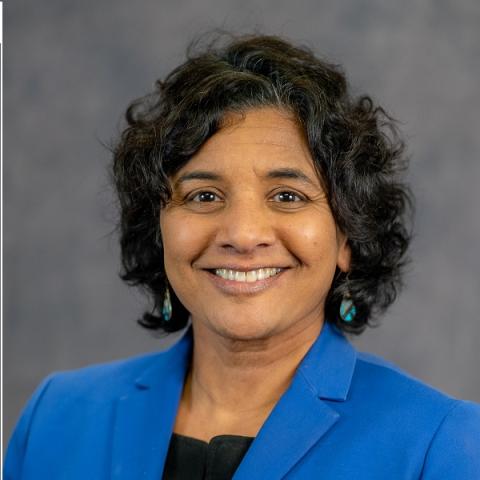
(244,247)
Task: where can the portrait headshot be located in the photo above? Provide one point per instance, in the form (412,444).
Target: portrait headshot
(241,241)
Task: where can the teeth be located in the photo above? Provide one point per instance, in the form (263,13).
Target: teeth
(249,277)
(240,276)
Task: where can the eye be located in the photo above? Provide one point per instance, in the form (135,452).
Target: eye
(204,197)
(288,197)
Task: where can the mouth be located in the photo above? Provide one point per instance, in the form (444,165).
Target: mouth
(249,276)
(242,281)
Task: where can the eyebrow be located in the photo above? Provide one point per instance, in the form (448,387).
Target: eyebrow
(291,173)
(279,173)
(198,175)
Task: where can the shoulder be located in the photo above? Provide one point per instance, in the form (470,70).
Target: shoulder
(62,395)
(389,387)
(99,382)
(390,383)
(67,403)
(99,379)
(94,384)
(446,428)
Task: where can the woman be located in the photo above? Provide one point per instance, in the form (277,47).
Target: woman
(262,204)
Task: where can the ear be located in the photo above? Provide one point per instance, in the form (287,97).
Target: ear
(344,253)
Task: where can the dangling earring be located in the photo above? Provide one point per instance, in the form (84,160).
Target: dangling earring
(167,306)
(347,310)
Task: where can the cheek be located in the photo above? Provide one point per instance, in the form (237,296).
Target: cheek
(313,240)
(183,240)
(174,238)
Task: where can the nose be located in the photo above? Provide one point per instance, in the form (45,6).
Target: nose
(246,225)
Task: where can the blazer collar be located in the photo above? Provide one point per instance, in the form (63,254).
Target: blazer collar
(329,364)
(145,415)
(173,362)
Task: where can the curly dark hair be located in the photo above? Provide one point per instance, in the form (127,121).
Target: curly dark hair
(358,154)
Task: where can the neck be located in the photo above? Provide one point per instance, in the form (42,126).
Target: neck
(232,381)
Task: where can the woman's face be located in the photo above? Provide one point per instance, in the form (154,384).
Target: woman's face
(250,243)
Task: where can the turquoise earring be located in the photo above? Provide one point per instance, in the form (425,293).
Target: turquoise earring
(167,306)
(347,310)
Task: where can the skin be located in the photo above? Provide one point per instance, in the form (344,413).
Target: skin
(248,339)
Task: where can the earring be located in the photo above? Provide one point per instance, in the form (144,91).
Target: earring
(347,310)
(167,306)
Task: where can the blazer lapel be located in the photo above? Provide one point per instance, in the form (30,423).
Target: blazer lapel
(145,416)
(296,423)
(301,417)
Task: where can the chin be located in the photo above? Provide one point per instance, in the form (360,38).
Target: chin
(242,329)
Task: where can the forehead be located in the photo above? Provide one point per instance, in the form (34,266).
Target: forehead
(260,139)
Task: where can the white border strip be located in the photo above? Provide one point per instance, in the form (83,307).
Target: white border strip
(1,234)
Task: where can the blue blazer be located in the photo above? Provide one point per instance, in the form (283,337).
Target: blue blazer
(346,415)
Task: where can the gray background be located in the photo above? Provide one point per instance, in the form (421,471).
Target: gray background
(72,67)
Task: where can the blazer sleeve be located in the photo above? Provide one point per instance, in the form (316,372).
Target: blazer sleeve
(454,452)
(19,441)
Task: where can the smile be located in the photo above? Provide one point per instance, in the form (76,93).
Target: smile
(240,281)
(248,276)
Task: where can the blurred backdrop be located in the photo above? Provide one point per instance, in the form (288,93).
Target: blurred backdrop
(71,68)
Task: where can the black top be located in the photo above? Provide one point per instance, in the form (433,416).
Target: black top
(193,459)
